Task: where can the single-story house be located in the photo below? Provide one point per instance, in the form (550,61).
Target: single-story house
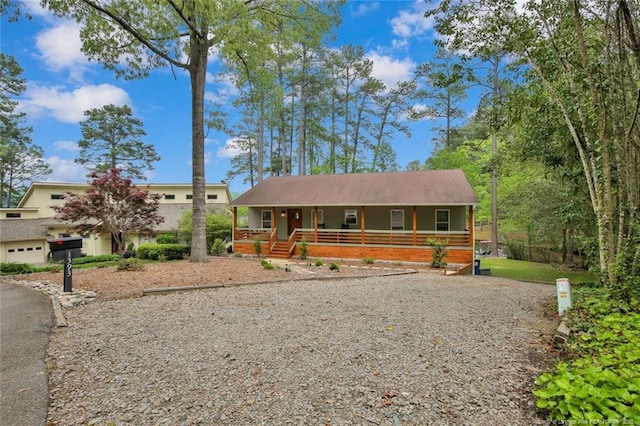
(384,216)
(25,229)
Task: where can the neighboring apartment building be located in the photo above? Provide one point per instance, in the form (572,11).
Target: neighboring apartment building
(25,229)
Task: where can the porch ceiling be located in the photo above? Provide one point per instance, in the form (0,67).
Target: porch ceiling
(434,187)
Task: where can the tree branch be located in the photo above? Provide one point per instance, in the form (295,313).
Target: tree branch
(135,33)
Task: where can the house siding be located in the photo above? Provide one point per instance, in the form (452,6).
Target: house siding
(376,217)
(36,205)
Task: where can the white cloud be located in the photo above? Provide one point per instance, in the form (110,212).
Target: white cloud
(422,111)
(399,44)
(60,48)
(389,70)
(69,106)
(65,170)
(365,8)
(229,150)
(66,146)
(226,89)
(34,8)
(411,22)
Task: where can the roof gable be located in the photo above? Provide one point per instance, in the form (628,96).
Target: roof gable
(433,187)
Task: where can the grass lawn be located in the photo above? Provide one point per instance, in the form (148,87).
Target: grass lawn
(532,271)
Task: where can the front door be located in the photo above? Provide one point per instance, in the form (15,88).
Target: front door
(294,220)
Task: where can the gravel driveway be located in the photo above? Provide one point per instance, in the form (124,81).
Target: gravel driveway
(413,349)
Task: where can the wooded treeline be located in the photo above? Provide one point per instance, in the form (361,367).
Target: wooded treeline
(316,110)
(571,117)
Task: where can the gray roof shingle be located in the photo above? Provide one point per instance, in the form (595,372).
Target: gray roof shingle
(433,187)
(24,229)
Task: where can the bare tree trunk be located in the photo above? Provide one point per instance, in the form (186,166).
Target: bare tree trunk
(197,73)
(494,170)
(260,147)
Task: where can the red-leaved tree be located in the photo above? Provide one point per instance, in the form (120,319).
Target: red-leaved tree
(114,202)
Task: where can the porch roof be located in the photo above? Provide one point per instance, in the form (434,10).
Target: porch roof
(433,187)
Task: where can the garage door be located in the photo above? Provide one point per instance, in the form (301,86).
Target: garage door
(32,252)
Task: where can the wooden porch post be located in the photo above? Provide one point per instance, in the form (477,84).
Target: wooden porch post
(472,224)
(415,225)
(235,223)
(273,218)
(362,225)
(315,224)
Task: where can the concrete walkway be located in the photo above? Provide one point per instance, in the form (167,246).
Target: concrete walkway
(26,318)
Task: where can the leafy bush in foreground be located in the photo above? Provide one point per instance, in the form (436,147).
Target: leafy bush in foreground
(165,251)
(94,259)
(14,268)
(602,383)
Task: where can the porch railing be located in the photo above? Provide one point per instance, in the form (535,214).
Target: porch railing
(356,236)
(253,233)
(273,239)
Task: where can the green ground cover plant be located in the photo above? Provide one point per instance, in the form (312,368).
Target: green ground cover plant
(599,382)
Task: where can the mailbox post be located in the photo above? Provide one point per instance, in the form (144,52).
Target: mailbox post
(68,273)
(66,249)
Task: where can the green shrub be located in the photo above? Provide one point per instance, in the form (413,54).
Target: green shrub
(168,251)
(266,264)
(303,248)
(54,268)
(438,252)
(516,249)
(319,263)
(14,268)
(257,246)
(162,258)
(95,259)
(167,238)
(334,267)
(368,261)
(130,264)
(218,247)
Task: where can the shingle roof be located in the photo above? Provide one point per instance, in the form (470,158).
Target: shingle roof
(433,187)
(24,229)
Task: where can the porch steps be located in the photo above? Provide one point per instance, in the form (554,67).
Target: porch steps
(280,250)
(466,269)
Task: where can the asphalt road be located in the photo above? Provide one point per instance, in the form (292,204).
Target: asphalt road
(26,318)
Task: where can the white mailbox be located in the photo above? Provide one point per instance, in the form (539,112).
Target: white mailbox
(563,288)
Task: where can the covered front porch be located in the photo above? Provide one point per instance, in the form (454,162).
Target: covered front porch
(378,232)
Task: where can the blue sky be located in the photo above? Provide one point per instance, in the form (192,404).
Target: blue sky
(62,83)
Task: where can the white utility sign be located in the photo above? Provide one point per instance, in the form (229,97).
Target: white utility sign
(563,287)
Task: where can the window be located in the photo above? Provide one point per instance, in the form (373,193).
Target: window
(38,248)
(57,197)
(442,220)
(189,196)
(351,217)
(11,250)
(320,217)
(397,219)
(29,248)
(212,196)
(169,196)
(13,215)
(266,218)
